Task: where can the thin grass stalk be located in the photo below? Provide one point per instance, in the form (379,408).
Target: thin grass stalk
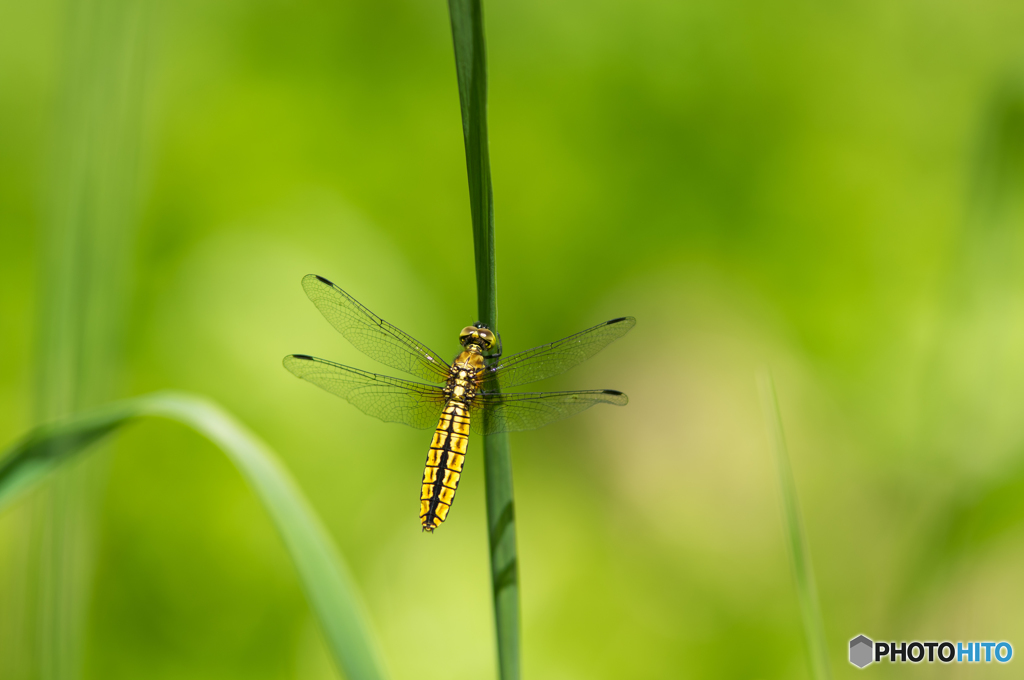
(325,578)
(979,333)
(799,551)
(471,69)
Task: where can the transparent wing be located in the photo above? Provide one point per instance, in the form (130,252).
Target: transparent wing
(391,399)
(372,335)
(556,357)
(513,412)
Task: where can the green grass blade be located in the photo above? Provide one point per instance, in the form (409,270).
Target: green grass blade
(980,337)
(501,529)
(325,578)
(471,68)
(799,552)
(85,254)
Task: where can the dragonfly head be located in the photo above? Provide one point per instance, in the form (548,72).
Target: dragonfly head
(480,336)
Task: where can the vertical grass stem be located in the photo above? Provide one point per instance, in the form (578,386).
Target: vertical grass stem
(471,68)
(799,552)
(85,254)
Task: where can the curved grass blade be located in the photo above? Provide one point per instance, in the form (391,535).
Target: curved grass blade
(471,68)
(799,552)
(325,578)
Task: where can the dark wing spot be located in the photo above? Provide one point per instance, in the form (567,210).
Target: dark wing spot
(323,279)
(615,392)
(305,357)
(621,318)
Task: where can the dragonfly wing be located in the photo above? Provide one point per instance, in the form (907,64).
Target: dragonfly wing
(556,357)
(513,412)
(391,399)
(372,335)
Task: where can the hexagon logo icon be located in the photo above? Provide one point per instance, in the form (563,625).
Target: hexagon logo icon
(861,649)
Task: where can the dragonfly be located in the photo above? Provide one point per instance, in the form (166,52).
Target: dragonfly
(467,395)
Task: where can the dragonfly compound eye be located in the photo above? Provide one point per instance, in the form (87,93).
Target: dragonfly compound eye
(477,335)
(486,338)
(469,334)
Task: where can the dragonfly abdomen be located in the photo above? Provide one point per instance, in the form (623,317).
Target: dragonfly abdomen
(444,464)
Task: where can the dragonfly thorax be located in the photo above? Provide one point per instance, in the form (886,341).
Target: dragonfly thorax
(464,377)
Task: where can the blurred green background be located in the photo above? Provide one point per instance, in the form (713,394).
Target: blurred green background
(830,189)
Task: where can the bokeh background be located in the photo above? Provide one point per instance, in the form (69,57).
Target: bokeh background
(832,190)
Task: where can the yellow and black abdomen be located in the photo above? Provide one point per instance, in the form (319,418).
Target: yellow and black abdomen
(444,464)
